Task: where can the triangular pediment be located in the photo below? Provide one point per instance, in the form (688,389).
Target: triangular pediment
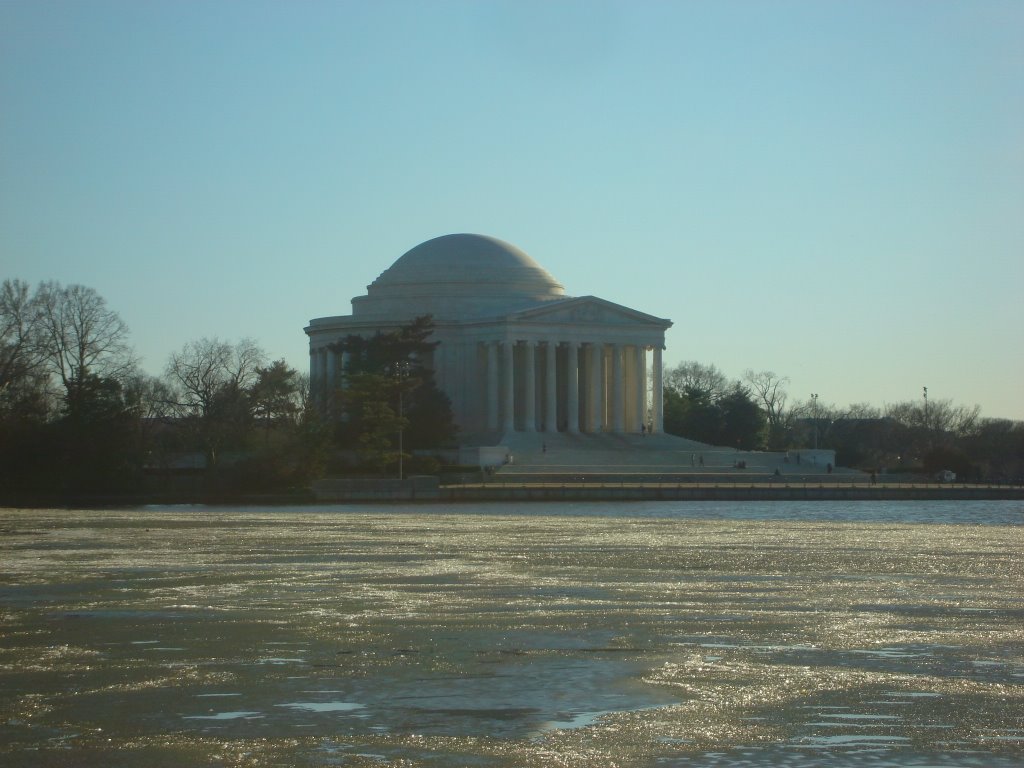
(587,310)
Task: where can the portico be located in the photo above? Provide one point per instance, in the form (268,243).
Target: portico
(549,384)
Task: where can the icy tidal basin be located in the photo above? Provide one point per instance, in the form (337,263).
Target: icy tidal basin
(654,634)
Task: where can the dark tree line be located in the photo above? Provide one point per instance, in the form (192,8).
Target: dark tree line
(79,418)
(70,393)
(909,436)
(701,404)
(916,437)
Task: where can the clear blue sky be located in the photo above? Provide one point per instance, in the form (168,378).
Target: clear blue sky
(830,190)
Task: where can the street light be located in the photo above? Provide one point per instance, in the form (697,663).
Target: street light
(401,415)
(814,410)
(401,372)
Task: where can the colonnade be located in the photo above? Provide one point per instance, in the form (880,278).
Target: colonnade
(326,371)
(591,387)
(535,385)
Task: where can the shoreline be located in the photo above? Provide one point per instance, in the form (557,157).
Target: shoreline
(735,491)
(393,491)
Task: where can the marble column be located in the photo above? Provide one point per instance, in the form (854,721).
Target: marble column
(629,389)
(323,374)
(492,385)
(618,391)
(572,383)
(346,359)
(441,368)
(641,386)
(657,393)
(314,375)
(508,387)
(445,361)
(324,388)
(529,387)
(332,369)
(550,388)
(596,388)
(330,379)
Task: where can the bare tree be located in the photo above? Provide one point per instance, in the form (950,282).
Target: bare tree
(26,391)
(148,396)
(304,393)
(694,376)
(209,382)
(19,325)
(938,417)
(966,420)
(203,370)
(863,411)
(804,418)
(770,391)
(79,336)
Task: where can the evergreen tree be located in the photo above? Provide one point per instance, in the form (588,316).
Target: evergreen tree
(390,393)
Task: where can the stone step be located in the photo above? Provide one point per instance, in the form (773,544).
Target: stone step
(611,477)
(572,454)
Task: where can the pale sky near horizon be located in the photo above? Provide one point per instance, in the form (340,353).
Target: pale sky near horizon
(830,190)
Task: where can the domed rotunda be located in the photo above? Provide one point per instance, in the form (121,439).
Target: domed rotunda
(457,277)
(515,354)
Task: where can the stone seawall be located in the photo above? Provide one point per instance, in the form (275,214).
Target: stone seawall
(427,489)
(724,492)
(418,487)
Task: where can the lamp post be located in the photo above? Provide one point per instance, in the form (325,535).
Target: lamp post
(814,410)
(400,431)
(401,371)
(927,432)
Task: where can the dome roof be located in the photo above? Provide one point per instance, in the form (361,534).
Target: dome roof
(457,277)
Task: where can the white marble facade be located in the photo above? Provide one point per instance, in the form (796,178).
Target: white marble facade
(515,354)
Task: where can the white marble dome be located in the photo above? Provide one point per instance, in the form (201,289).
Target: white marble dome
(458,277)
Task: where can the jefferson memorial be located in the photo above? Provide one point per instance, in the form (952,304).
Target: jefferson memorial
(516,355)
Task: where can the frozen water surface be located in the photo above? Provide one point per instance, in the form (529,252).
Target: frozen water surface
(653,634)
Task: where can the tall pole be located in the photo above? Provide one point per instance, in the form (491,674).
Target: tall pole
(927,433)
(400,430)
(401,371)
(814,401)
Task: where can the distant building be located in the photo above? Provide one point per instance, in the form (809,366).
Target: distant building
(516,354)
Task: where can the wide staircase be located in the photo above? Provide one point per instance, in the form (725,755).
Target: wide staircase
(563,457)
